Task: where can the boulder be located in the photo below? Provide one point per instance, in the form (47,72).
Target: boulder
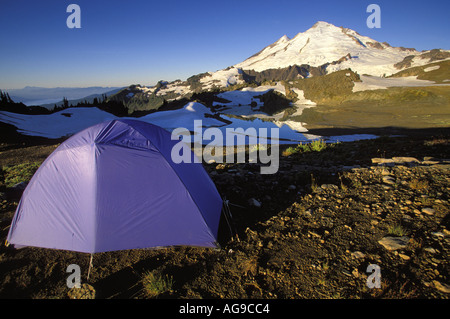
(403,160)
(255,203)
(394,243)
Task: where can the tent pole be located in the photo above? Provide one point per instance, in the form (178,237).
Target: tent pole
(90,266)
(229,219)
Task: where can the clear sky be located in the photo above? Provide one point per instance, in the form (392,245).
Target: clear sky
(143,41)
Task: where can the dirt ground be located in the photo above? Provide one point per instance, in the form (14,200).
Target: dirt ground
(309,231)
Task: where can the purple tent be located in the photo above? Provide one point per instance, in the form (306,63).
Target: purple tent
(113,186)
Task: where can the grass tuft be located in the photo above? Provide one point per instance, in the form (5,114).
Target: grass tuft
(396,230)
(314,146)
(155,285)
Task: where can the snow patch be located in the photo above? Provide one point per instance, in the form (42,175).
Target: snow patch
(431,68)
(63,123)
(301,98)
(375,83)
(223,78)
(243,97)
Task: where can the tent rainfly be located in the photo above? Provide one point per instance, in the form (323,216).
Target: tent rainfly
(113,186)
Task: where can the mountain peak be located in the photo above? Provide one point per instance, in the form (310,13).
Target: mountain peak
(322,24)
(284,38)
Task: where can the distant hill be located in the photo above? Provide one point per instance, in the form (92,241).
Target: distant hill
(32,95)
(87,99)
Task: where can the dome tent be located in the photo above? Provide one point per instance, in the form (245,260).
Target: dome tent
(113,186)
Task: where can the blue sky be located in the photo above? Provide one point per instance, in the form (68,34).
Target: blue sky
(129,42)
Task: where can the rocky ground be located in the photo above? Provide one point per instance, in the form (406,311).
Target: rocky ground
(309,231)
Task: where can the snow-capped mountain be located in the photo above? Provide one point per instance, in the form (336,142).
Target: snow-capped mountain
(325,43)
(320,50)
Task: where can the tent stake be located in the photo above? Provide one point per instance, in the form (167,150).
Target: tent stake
(90,266)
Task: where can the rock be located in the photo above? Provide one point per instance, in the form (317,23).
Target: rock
(329,186)
(221,166)
(358,255)
(388,180)
(20,186)
(431,250)
(383,161)
(404,257)
(438,234)
(253,202)
(385,172)
(2,196)
(394,243)
(441,287)
(410,161)
(292,187)
(428,211)
(429,162)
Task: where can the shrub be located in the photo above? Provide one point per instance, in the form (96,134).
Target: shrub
(317,145)
(289,151)
(314,146)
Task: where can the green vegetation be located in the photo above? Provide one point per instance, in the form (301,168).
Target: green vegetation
(439,75)
(327,89)
(396,230)
(314,146)
(194,82)
(289,151)
(19,173)
(432,95)
(155,285)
